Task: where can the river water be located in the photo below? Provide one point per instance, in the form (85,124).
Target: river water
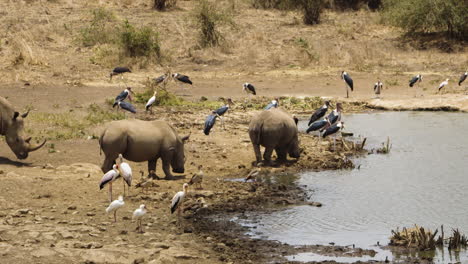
(423,180)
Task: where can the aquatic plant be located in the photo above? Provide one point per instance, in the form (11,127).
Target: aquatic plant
(417,237)
(385,149)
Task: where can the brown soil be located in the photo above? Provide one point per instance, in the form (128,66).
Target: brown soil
(51,209)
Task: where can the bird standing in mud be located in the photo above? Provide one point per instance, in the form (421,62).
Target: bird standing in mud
(127,106)
(127,93)
(335,115)
(114,206)
(378,88)
(319,125)
(209,123)
(462,78)
(138,216)
(249,88)
(272,104)
(151,101)
(348,82)
(160,79)
(319,113)
(197,178)
(416,79)
(108,178)
(253,174)
(178,199)
(119,71)
(223,110)
(333,130)
(442,85)
(125,172)
(182,78)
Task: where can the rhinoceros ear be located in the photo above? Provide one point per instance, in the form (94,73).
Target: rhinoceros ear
(15,115)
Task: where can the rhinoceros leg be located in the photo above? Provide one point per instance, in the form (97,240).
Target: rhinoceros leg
(108,162)
(281,153)
(267,154)
(152,169)
(166,165)
(258,154)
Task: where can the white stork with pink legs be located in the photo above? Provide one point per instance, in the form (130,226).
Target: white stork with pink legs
(125,172)
(108,178)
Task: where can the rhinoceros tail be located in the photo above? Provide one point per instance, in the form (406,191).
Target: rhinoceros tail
(100,142)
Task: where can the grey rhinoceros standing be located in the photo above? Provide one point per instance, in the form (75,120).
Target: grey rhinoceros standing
(275,130)
(12,126)
(139,141)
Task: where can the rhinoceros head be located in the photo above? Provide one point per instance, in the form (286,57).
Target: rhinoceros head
(178,159)
(294,150)
(15,138)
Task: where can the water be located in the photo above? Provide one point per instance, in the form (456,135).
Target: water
(423,180)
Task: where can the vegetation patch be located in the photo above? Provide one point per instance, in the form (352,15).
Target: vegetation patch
(209,18)
(113,44)
(425,17)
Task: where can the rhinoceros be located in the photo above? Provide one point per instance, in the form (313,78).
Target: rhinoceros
(139,141)
(275,130)
(12,126)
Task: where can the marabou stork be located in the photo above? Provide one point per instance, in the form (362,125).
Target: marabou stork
(462,78)
(348,82)
(272,104)
(119,71)
(378,86)
(127,93)
(319,113)
(209,123)
(126,106)
(333,130)
(335,115)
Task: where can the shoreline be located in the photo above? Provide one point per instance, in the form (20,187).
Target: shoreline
(227,154)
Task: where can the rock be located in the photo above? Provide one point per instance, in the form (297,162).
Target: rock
(90,214)
(23,211)
(66,234)
(209,239)
(1,172)
(43,252)
(63,168)
(161,245)
(139,261)
(12,174)
(90,245)
(316,204)
(48,166)
(72,207)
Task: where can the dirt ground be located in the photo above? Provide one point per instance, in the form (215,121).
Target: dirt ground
(51,209)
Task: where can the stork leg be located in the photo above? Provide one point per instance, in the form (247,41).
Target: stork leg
(115,216)
(110,192)
(334,143)
(347,92)
(123,186)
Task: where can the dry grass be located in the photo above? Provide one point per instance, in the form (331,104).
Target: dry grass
(45,37)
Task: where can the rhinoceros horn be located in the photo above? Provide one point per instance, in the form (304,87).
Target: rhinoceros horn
(185,138)
(25,114)
(33,148)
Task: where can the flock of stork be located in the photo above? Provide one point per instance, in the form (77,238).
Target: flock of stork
(327,126)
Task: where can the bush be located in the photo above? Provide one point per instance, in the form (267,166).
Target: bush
(162,5)
(421,16)
(139,42)
(101,28)
(209,18)
(311,9)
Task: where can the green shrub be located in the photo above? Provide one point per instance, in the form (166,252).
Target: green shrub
(139,42)
(423,16)
(209,18)
(100,30)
